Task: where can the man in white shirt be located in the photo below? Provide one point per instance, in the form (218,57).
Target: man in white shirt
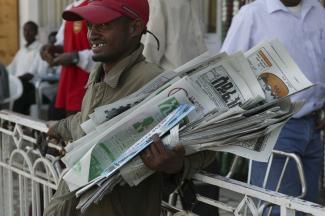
(300,26)
(27,64)
(179,28)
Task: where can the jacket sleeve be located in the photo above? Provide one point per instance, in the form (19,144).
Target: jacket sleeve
(195,162)
(66,127)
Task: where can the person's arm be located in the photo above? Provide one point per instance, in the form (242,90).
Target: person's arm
(63,129)
(12,67)
(240,32)
(48,52)
(173,161)
(157,25)
(81,59)
(85,60)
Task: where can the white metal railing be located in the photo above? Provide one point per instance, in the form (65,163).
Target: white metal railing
(27,179)
(255,200)
(288,205)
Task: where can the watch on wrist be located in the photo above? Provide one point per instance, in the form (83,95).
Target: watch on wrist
(75,58)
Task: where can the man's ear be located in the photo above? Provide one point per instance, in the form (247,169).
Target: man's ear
(136,28)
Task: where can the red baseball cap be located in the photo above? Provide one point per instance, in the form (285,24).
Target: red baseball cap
(104,11)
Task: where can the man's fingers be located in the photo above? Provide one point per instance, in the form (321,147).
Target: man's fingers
(179,150)
(158,145)
(146,155)
(155,149)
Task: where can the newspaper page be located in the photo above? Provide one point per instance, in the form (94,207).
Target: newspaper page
(223,85)
(182,92)
(131,128)
(95,190)
(241,66)
(275,70)
(220,87)
(106,112)
(259,148)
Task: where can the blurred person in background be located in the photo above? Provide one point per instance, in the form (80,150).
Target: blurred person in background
(179,28)
(300,26)
(26,65)
(72,52)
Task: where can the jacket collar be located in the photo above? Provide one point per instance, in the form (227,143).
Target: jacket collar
(277,5)
(112,78)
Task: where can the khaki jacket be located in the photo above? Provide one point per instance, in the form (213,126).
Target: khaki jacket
(126,77)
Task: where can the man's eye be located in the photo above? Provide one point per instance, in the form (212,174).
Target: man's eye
(99,27)
(102,26)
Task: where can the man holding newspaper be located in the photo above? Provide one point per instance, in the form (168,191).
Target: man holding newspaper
(115,28)
(300,26)
(233,103)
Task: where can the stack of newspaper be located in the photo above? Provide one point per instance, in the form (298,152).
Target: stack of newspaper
(233,103)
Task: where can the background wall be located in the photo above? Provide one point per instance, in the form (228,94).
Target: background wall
(46,13)
(9,29)
(13,15)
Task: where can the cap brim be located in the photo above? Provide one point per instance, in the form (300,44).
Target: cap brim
(91,13)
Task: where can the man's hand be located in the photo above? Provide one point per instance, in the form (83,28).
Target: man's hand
(161,159)
(48,53)
(64,59)
(51,132)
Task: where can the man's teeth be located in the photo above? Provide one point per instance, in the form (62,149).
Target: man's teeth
(97,45)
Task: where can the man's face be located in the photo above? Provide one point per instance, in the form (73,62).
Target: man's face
(29,33)
(109,41)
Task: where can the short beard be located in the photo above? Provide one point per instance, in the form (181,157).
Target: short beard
(108,58)
(99,59)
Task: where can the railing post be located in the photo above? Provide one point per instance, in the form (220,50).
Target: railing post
(287,212)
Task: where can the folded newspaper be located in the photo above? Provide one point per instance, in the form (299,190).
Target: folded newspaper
(232,103)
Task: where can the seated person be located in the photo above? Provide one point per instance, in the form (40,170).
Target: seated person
(27,64)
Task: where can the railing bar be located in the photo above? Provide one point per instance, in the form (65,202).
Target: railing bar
(28,175)
(215,203)
(260,193)
(11,195)
(269,210)
(12,117)
(45,196)
(7,132)
(282,174)
(21,191)
(266,177)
